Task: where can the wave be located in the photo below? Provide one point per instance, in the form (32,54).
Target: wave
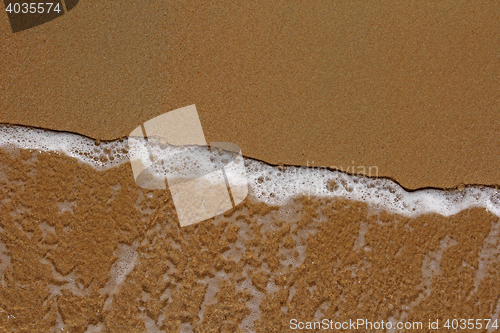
(271,184)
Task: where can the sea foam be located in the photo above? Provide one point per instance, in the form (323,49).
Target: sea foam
(274,185)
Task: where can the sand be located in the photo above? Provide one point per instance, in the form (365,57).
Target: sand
(69,261)
(408,87)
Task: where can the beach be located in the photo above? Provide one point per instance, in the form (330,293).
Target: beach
(408,87)
(369,137)
(89,251)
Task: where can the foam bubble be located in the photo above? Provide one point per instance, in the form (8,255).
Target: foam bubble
(101,156)
(269,184)
(275,186)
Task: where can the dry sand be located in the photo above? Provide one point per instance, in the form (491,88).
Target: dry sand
(410,87)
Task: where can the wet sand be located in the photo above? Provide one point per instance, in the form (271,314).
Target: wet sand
(408,87)
(83,249)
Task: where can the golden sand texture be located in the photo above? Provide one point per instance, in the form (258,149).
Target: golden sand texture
(411,87)
(82,248)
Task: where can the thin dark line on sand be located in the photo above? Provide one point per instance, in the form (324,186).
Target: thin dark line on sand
(453,188)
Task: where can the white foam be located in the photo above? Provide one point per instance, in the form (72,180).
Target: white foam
(127,257)
(269,184)
(102,156)
(489,253)
(5,261)
(360,241)
(275,186)
(95,328)
(150,325)
(431,267)
(66,206)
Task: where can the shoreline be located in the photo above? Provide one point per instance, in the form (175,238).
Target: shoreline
(97,142)
(410,88)
(275,184)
